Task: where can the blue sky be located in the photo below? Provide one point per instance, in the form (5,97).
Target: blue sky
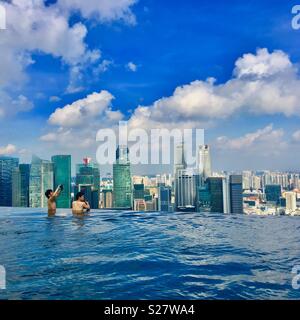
(167,44)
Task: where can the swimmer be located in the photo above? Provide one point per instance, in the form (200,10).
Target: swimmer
(80,206)
(51,196)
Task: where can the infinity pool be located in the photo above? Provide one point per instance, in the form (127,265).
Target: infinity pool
(130,255)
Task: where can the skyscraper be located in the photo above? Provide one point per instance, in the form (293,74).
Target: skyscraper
(20,186)
(7,165)
(216,187)
(164,198)
(273,192)
(236,193)
(186,184)
(204,162)
(62,175)
(88,181)
(41,179)
(291,202)
(138,191)
(122,186)
(203,198)
(107,198)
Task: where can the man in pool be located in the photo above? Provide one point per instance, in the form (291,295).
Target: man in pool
(80,206)
(51,196)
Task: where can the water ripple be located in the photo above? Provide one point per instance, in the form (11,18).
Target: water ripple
(126,255)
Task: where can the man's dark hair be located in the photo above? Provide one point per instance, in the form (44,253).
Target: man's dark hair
(78,195)
(47,193)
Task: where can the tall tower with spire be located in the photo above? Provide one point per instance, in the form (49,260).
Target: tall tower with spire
(204,162)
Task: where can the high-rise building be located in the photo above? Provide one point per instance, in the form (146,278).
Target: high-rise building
(138,191)
(273,192)
(20,186)
(7,166)
(204,162)
(180,163)
(291,202)
(107,198)
(16,187)
(186,184)
(164,198)
(236,193)
(88,182)
(216,186)
(203,198)
(122,186)
(41,179)
(62,175)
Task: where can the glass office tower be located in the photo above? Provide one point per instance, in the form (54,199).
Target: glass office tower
(7,166)
(62,175)
(20,186)
(41,179)
(88,182)
(236,193)
(215,186)
(122,186)
(273,192)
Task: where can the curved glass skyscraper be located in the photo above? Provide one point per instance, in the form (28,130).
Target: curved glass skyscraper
(122,186)
(62,175)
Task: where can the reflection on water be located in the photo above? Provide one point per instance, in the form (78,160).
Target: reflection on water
(126,255)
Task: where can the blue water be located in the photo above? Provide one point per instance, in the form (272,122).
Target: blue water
(129,255)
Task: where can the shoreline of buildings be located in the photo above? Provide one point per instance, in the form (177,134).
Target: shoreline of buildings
(196,189)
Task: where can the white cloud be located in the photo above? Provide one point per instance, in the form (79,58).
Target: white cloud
(54,99)
(33,27)
(132,66)
(296,136)
(80,112)
(263,64)
(10,106)
(266,136)
(8,150)
(103,67)
(82,119)
(263,83)
(103,10)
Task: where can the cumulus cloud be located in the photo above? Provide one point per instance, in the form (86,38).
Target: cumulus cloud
(262,83)
(34,27)
(82,118)
(8,150)
(296,136)
(83,110)
(262,65)
(10,106)
(103,10)
(266,136)
(132,66)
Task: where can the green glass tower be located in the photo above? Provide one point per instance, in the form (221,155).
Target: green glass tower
(122,186)
(88,182)
(41,179)
(7,166)
(62,175)
(20,186)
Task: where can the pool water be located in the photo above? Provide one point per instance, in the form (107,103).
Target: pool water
(131,255)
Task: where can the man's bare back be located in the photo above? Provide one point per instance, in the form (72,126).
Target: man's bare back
(52,196)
